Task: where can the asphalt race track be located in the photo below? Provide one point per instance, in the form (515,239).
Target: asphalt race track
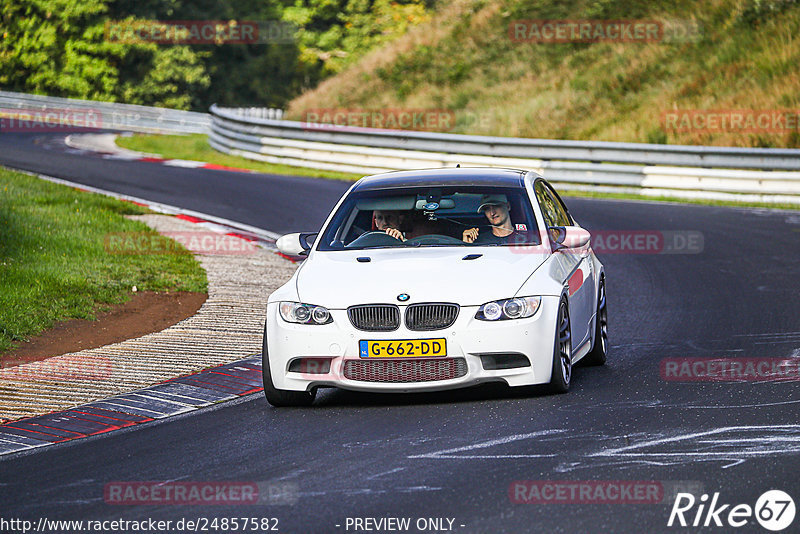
(456,454)
(277,203)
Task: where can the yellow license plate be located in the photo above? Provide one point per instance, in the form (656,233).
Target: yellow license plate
(403,348)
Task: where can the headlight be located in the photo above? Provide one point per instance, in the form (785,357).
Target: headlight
(516,308)
(297,312)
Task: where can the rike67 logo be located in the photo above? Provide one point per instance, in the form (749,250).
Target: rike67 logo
(774,510)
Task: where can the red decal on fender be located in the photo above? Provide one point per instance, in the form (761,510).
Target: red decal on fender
(575,282)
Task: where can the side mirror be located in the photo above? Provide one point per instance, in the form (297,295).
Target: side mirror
(296,244)
(568,237)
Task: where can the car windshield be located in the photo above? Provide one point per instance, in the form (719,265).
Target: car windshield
(465,216)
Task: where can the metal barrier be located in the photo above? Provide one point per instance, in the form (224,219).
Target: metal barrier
(258,113)
(55,111)
(747,174)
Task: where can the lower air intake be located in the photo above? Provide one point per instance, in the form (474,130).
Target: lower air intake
(394,371)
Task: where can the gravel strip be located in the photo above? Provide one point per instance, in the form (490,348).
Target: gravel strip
(228,327)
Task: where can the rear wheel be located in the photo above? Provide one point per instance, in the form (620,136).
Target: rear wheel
(598,354)
(562,353)
(280,397)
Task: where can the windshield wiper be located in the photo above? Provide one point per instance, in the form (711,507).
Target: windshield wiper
(373,247)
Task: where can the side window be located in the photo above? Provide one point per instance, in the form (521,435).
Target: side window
(547,204)
(559,209)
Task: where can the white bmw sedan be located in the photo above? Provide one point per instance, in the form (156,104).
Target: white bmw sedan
(436,279)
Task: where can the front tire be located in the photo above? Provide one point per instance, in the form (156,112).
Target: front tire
(279,397)
(562,352)
(600,350)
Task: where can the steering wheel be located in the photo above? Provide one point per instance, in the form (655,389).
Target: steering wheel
(374,239)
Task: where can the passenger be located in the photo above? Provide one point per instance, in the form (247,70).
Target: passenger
(496,208)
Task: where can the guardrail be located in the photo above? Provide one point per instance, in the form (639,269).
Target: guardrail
(655,170)
(56,111)
(258,113)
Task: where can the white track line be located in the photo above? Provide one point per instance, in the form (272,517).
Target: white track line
(166,208)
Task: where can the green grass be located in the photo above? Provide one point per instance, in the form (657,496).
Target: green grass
(195,147)
(53,260)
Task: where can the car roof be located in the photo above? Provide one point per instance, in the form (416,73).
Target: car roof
(481,176)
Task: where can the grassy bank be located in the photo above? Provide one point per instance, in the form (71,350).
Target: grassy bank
(195,147)
(735,55)
(53,260)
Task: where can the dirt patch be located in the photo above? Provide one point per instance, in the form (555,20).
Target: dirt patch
(146,312)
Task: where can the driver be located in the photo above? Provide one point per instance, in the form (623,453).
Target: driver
(392,222)
(496,208)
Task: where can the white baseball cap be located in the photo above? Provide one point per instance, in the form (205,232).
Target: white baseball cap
(492,200)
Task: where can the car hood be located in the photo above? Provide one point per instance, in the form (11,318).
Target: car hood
(337,279)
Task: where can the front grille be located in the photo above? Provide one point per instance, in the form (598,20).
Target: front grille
(431,316)
(375,317)
(424,370)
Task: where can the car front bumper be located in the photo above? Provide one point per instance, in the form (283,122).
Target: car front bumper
(467,338)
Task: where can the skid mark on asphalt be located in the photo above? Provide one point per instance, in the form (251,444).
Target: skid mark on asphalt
(451,453)
(369,491)
(739,406)
(732,444)
(389,472)
(659,404)
(736,343)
